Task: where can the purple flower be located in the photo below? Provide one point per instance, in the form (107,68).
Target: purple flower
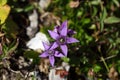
(51,53)
(62,38)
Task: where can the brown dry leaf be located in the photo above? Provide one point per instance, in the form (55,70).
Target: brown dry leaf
(113,74)
(48,19)
(74,4)
(61,72)
(91,73)
(44,65)
(1,34)
(44,3)
(4,11)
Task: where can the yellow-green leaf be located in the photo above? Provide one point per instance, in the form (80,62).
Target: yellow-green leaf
(3,2)
(4,12)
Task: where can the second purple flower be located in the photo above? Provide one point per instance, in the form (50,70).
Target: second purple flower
(60,35)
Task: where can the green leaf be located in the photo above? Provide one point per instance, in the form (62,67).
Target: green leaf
(25,9)
(65,59)
(3,2)
(118,69)
(18,10)
(103,15)
(95,10)
(79,13)
(116,2)
(32,55)
(28,8)
(10,28)
(96,68)
(93,26)
(111,20)
(9,49)
(95,2)
(85,21)
(13,46)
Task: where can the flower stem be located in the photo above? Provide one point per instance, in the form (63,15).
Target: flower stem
(105,64)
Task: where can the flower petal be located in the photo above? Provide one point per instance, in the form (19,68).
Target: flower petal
(57,54)
(64,24)
(71,40)
(63,31)
(56,29)
(45,45)
(64,49)
(52,60)
(53,34)
(70,32)
(45,54)
(54,45)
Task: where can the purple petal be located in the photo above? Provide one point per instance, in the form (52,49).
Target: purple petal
(70,32)
(45,46)
(64,49)
(56,29)
(54,45)
(63,31)
(57,54)
(71,40)
(45,54)
(52,60)
(64,24)
(53,34)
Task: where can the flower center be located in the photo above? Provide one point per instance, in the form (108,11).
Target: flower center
(62,40)
(51,52)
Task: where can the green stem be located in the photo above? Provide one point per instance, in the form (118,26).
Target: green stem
(105,63)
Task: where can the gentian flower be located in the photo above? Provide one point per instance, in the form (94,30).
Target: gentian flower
(51,53)
(60,35)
